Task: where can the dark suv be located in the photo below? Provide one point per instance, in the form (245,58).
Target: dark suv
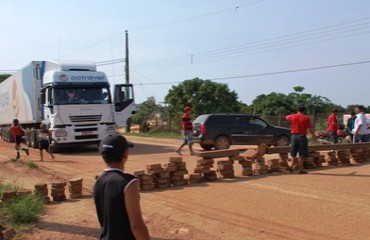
(220,130)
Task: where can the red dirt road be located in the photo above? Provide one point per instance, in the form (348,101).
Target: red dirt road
(328,203)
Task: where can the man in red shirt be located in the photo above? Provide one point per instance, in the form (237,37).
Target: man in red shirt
(16,130)
(333,126)
(187,128)
(300,123)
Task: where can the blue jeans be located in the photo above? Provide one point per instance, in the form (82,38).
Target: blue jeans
(361,138)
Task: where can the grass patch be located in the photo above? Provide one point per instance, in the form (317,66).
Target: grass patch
(24,209)
(32,165)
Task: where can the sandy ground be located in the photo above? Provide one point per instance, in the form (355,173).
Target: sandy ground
(327,203)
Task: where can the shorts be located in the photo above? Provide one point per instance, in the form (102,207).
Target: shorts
(188,138)
(333,137)
(44,144)
(18,139)
(299,144)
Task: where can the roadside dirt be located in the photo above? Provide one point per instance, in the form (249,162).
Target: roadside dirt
(328,203)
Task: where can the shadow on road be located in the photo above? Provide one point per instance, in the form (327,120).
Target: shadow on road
(67,228)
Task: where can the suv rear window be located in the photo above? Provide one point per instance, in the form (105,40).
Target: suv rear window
(217,120)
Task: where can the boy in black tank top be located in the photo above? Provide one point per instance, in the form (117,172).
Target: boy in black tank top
(116,194)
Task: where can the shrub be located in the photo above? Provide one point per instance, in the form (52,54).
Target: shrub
(24,209)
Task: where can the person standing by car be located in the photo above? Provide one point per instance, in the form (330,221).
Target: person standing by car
(116,194)
(187,129)
(351,125)
(333,126)
(300,124)
(16,130)
(360,132)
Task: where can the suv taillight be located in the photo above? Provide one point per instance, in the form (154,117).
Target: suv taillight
(203,129)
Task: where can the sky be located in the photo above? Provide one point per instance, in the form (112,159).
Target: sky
(254,46)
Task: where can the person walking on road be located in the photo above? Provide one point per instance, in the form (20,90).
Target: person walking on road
(187,129)
(300,124)
(360,131)
(116,194)
(44,136)
(16,130)
(333,126)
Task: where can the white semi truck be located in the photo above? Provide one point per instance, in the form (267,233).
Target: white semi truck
(75,100)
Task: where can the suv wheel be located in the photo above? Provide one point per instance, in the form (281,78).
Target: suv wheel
(282,141)
(206,146)
(222,142)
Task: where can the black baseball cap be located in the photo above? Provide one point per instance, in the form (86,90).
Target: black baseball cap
(114,145)
(301,108)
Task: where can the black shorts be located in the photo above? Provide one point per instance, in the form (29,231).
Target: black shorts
(44,144)
(298,144)
(18,139)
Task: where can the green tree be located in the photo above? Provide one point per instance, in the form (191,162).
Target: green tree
(272,104)
(204,96)
(146,112)
(3,77)
(275,104)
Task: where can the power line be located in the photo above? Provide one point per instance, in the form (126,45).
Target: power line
(163,24)
(271,73)
(316,35)
(234,9)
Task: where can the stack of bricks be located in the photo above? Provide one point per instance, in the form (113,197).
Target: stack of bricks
(226,168)
(41,189)
(344,157)
(260,167)
(153,170)
(317,158)
(8,195)
(332,159)
(366,154)
(357,155)
(256,157)
(146,180)
(195,178)
(245,164)
(162,180)
(178,175)
(58,191)
(273,165)
(160,176)
(75,188)
(284,161)
(204,166)
(309,162)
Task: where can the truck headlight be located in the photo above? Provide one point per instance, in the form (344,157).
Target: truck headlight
(111,129)
(60,133)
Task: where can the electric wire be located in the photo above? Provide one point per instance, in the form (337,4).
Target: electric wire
(271,73)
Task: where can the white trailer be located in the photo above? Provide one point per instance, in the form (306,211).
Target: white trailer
(41,92)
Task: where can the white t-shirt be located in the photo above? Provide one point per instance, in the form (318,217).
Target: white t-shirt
(360,120)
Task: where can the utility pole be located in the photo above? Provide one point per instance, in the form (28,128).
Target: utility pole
(127,68)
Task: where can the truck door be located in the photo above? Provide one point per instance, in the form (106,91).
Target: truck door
(124,104)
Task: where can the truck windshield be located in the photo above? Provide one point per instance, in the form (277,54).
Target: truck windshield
(82,95)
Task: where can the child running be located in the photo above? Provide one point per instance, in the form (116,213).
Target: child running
(16,130)
(44,141)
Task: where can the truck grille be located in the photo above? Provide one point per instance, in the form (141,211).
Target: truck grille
(87,118)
